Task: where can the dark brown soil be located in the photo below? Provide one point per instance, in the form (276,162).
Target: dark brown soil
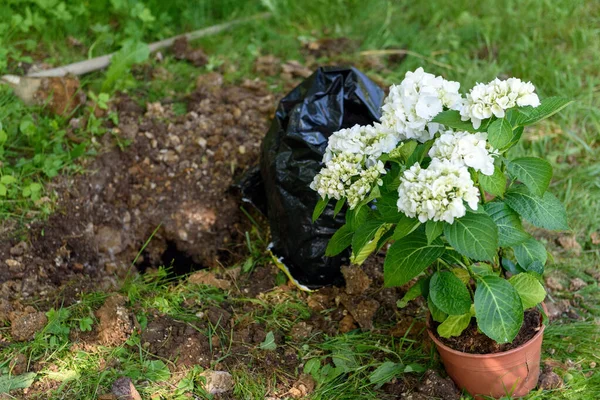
(474,342)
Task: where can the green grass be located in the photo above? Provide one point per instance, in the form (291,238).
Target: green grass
(555,44)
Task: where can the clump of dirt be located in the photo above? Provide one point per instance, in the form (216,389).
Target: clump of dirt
(116,323)
(474,342)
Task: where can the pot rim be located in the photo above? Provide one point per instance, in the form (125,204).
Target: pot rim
(488,355)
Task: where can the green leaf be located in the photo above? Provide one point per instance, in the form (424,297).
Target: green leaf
(462,274)
(534,172)
(510,266)
(474,235)
(433,229)
(420,152)
(510,228)
(387,207)
(494,184)
(403,151)
(319,208)
(498,309)
(312,366)
(536,267)
(530,251)
(529,288)
(156,371)
(483,269)
(449,293)
(454,325)
(405,227)
(437,314)
(12,382)
(338,206)
(407,258)
(340,241)
(385,373)
(121,62)
(3,190)
(544,212)
(357,217)
(361,256)
(452,119)
(547,108)
(269,342)
(365,234)
(420,288)
(8,179)
(500,133)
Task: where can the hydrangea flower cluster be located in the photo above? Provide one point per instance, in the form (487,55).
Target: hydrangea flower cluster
(351,161)
(438,192)
(465,149)
(493,98)
(410,106)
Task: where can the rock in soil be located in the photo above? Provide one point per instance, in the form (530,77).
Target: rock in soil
(25,326)
(116,322)
(302,387)
(123,389)
(357,281)
(217,381)
(576,284)
(550,380)
(434,386)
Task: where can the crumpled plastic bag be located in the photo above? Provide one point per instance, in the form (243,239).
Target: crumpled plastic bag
(330,99)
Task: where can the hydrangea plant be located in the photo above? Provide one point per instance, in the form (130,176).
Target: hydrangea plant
(432,183)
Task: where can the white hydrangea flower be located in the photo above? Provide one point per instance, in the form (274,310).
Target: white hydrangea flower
(345,141)
(493,98)
(360,188)
(371,141)
(465,149)
(336,176)
(438,192)
(410,106)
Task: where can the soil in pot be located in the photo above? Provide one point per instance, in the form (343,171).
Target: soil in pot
(474,342)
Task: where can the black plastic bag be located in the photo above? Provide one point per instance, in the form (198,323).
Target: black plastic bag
(329,100)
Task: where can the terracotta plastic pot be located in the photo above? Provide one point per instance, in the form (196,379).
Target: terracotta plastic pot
(514,372)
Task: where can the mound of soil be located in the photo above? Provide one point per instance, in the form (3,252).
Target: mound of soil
(175,172)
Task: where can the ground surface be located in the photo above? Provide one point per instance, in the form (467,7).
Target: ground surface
(140,179)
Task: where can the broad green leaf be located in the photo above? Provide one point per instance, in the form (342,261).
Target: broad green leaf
(3,190)
(530,251)
(498,309)
(364,234)
(454,325)
(535,267)
(12,382)
(408,257)
(312,366)
(494,184)
(420,288)
(529,288)
(511,267)
(269,342)
(344,357)
(340,241)
(462,274)
(433,229)
(452,119)
(385,373)
(338,206)
(510,228)
(387,207)
(474,235)
(449,293)
(404,150)
(405,227)
(483,269)
(547,108)
(420,152)
(437,314)
(500,133)
(319,208)
(534,172)
(361,256)
(544,212)
(357,217)
(121,62)
(8,179)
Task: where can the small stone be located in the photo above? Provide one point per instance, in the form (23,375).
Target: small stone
(554,284)
(25,326)
(110,268)
(217,381)
(550,380)
(569,242)
(347,324)
(201,142)
(593,364)
(303,387)
(124,389)
(576,284)
(5,309)
(115,323)
(109,240)
(19,249)
(13,265)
